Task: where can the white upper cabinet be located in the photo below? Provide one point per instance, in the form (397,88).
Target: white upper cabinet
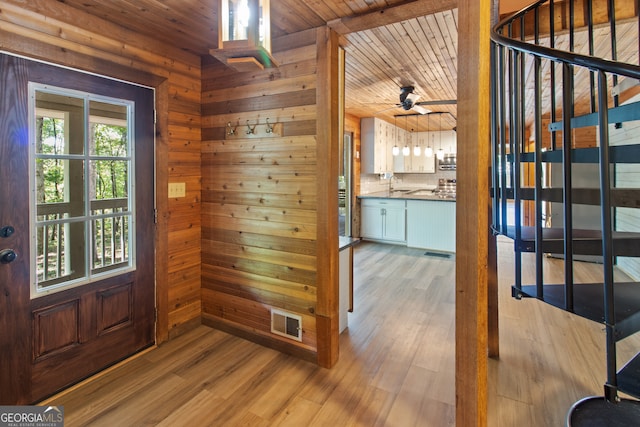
(377,142)
(379,138)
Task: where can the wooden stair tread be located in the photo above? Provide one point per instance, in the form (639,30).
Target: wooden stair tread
(620,197)
(629,377)
(588,301)
(585,242)
(617,154)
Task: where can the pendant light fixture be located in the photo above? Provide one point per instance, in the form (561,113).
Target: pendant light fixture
(428,152)
(416,149)
(395,150)
(406,150)
(440,153)
(244,35)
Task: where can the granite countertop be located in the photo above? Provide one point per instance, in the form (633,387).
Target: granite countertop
(419,194)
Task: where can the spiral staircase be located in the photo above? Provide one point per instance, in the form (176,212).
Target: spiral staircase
(566,103)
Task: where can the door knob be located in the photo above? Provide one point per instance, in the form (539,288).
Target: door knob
(7,256)
(6,231)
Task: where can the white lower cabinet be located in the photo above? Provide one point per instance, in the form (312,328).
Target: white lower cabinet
(383,219)
(431,225)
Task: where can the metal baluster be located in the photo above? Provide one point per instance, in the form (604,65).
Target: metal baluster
(592,80)
(503,139)
(538,159)
(611,5)
(552,71)
(567,114)
(610,389)
(515,144)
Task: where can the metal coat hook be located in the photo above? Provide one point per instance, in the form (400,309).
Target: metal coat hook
(269,127)
(230,130)
(250,130)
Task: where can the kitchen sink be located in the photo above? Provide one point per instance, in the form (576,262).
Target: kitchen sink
(421,192)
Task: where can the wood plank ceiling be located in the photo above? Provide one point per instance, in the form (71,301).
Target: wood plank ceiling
(389,44)
(419,51)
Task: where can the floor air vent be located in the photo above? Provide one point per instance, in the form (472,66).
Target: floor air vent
(286,324)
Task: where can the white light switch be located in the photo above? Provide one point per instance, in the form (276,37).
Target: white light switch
(177,189)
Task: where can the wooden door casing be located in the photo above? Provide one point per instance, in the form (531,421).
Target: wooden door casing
(53,341)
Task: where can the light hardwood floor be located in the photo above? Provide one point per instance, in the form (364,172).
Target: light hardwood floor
(396,364)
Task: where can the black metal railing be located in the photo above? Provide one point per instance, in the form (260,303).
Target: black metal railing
(528,98)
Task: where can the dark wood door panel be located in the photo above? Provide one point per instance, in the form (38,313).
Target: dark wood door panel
(14,298)
(55,340)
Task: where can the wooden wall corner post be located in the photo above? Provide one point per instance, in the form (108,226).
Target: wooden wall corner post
(162,201)
(472,214)
(327,139)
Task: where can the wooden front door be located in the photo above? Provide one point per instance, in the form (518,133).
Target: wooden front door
(76,251)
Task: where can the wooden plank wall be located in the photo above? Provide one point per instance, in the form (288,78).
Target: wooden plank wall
(49,30)
(259,195)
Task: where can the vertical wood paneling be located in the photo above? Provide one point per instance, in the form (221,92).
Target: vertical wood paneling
(51,31)
(472,220)
(261,195)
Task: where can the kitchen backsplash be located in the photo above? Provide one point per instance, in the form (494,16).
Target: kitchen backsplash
(373,183)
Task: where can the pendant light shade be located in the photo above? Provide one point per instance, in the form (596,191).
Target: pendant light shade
(416,149)
(244,35)
(406,150)
(395,150)
(428,152)
(440,153)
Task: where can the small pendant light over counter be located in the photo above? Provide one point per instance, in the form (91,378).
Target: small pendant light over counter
(395,150)
(406,150)
(440,153)
(428,152)
(416,149)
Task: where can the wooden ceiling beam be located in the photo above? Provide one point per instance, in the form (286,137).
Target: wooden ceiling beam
(390,15)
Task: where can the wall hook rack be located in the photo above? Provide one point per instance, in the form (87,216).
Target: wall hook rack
(269,127)
(230,130)
(250,130)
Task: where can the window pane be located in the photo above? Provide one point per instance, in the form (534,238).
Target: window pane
(60,187)
(110,243)
(59,124)
(57,258)
(109,179)
(82,159)
(108,130)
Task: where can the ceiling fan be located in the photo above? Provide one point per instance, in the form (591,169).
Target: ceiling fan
(409,101)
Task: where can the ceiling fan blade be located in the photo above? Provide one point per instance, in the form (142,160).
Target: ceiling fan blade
(438,102)
(420,109)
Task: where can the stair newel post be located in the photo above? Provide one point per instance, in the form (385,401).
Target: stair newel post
(567,115)
(611,387)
